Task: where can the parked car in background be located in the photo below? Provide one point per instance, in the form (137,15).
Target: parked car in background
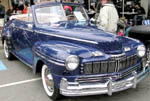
(142,33)
(74,58)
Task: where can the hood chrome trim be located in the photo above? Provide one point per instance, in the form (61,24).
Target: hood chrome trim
(118,55)
(66,37)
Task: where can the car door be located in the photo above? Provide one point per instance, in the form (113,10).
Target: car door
(29,39)
(19,41)
(16,32)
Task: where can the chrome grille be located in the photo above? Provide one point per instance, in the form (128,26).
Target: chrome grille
(88,68)
(124,74)
(113,65)
(96,68)
(87,79)
(127,62)
(129,72)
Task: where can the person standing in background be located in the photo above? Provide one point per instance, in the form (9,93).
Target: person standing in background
(2,10)
(25,10)
(108,17)
(2,15)
(9,13)
(139,8)
(138,18)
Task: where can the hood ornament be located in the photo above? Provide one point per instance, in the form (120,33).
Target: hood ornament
(97,53)
(127,49)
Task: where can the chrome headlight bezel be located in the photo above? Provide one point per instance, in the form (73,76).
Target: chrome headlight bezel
(141,51)
(72,62)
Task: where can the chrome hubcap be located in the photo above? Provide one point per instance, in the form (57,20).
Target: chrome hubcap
(47,80)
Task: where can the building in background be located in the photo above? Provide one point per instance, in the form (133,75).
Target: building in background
(87,3)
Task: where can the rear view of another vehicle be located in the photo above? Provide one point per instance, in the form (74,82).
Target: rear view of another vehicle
(142,33)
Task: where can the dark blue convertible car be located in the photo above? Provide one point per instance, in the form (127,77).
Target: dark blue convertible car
(74,57)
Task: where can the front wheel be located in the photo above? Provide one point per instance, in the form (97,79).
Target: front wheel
(48,83)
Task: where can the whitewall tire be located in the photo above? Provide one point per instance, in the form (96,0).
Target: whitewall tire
(48,83)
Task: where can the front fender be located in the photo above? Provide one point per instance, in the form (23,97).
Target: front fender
(56,52)
(59,50)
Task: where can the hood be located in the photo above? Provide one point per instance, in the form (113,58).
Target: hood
(87,35)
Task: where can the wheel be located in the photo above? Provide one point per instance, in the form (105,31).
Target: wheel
(8,55)
(48,83)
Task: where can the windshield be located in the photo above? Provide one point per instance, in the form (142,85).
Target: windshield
(58,13)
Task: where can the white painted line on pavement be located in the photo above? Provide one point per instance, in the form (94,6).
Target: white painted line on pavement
(20,82)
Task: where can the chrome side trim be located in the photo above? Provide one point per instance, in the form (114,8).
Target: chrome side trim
(56,63)
(66,37)
(28,30)
(50,57)
(25,29)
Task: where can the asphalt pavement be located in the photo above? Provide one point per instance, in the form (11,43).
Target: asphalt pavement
(18,83)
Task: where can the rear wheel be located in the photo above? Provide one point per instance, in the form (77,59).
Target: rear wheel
(48,83)
(7,53)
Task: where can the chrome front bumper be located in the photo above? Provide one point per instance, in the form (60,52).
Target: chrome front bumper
(77,89)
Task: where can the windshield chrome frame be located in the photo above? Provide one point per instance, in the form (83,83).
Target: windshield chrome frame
(55,4)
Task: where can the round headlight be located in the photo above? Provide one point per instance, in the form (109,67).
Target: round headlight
(72,62)
(141,50)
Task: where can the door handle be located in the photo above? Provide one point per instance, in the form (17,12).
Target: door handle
(30,26)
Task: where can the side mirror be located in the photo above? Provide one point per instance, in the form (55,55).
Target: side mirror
(30,26)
